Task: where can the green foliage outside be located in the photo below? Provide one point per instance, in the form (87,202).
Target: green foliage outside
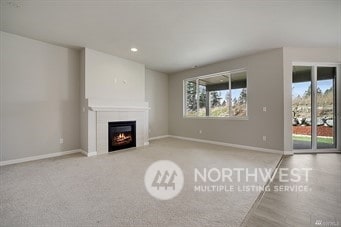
(328,140)
(301,105)
(218,104)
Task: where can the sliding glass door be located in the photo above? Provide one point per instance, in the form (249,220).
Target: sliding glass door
(314,107)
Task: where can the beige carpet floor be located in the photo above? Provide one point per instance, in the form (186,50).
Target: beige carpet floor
(108,190)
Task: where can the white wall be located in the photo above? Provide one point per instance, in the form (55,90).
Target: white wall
(43,96)
(111,80)
(269,84)
(39,98)
(157,97)
(114,78)
(107,80)
(264,88)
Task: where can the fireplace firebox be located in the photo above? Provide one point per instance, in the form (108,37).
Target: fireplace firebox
(121,135)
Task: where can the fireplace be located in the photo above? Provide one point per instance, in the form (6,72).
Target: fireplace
(121,135)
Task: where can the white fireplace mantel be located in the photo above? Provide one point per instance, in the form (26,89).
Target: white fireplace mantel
(118,108)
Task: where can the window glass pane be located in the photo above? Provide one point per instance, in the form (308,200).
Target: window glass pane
(211,96)
(217,88)
(203,101)
(218,103)
(191,102)
(239,94)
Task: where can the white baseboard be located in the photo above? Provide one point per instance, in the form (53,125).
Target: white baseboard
(88,154)
(33,158)
(92,154)
(229,144)
(56,154)
(159,137)
(146,143)
(288,152)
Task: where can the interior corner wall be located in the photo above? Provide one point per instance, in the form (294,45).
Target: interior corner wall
(157,97)
(39,98)
(264,89)
(308,55)
(83,105)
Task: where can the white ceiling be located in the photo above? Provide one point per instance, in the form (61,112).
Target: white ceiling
(175,35)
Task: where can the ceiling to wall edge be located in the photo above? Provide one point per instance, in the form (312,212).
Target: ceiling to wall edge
(80,48)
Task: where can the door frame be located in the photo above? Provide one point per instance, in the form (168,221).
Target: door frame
(314,66)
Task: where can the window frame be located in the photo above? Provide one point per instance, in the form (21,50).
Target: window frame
(197,78)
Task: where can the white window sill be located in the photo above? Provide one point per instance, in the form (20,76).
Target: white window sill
(217,118)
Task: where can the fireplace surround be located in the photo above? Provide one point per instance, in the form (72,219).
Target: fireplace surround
(121,135)
(102,112)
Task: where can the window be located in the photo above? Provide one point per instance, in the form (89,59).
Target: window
(218,95)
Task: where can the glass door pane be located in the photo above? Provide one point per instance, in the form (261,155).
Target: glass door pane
(301,107)
(325,103)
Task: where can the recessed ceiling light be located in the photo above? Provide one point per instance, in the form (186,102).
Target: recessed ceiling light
(133,49)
